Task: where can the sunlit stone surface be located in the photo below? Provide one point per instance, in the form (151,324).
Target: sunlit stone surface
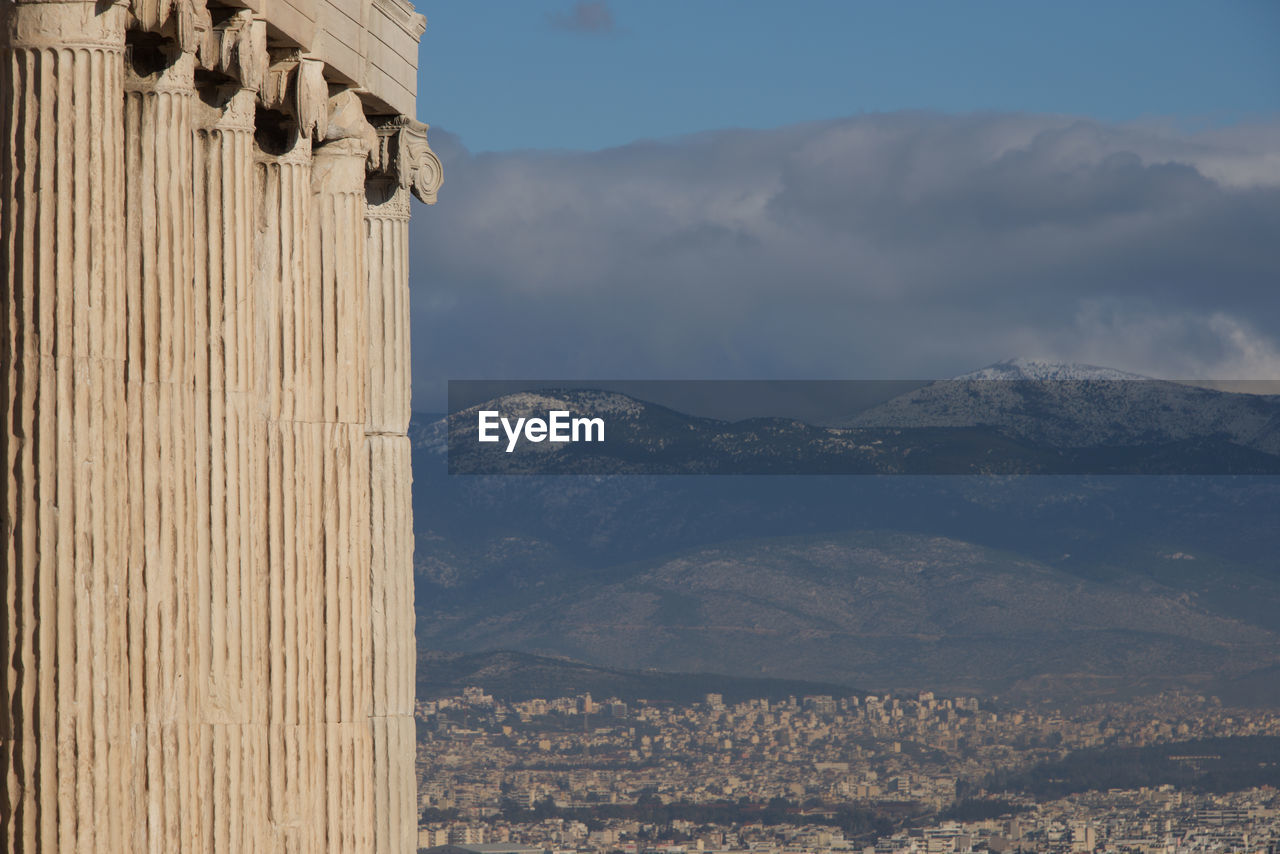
(207,636)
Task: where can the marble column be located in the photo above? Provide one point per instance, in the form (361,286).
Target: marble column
(191,495)
(289,323)
(159,276)
(391,506)
(338,253)
(64,725)
(401,165)
(232,583)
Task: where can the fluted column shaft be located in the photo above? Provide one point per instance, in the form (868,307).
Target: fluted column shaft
(391,509)
(159,273)
(387,238)
(206,509)
(311,300)
(289,323)
(338,263)
(231,589)
(64,732)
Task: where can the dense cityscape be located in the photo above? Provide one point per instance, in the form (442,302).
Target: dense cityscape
(871,774)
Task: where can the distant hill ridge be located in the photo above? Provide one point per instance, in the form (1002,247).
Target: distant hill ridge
(1070,405)
(1079,585)
(510,675)
(1038,370)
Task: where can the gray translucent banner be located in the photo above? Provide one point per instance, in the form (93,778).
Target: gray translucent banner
(986,424)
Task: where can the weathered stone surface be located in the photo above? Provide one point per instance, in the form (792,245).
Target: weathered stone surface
(64,727)
(394,655)
(387,248)
(160,392)
(403,165)
(207,636)
(231,669)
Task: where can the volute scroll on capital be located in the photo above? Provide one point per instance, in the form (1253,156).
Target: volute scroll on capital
(237,48)
(294,84)
(403,153)
(183,20)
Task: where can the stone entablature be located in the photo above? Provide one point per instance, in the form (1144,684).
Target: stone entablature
(206,642)
(368,45)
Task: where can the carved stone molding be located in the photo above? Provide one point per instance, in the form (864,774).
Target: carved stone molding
(386,198)
(63,25)
(158,70)
(230,108)
(404,16)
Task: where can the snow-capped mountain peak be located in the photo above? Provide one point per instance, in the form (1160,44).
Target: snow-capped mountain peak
(1039,370)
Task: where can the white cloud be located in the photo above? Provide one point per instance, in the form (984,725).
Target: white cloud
(891,245)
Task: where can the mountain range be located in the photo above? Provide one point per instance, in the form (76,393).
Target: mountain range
(1010,418)
(1070,586)
(1074,406)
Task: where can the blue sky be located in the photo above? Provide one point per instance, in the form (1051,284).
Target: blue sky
(847,190)
(533,74)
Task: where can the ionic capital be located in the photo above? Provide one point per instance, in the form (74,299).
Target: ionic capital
(294,85)
(402,153)
(237,47)
(180,19)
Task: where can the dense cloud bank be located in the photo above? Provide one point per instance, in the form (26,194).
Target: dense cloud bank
(899,245)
